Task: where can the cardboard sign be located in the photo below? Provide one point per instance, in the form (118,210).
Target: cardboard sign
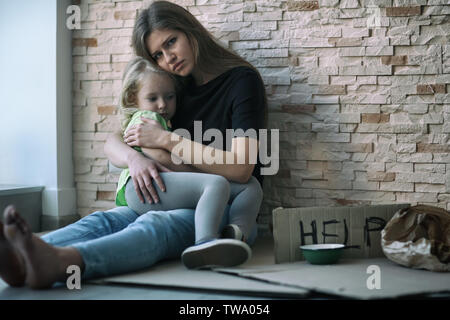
(356,227)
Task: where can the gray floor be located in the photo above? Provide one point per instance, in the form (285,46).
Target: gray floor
(114,292)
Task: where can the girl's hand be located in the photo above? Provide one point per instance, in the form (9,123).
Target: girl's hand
(145,135)
(142,171)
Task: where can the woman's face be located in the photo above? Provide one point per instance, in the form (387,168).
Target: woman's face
(157,94)
(172,51)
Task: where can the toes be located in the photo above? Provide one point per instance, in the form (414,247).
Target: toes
(9,214)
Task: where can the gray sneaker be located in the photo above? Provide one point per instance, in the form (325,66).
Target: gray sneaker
(216,253)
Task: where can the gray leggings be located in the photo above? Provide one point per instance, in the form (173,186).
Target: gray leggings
(208,194)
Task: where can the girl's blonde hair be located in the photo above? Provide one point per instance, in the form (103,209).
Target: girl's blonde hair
(210,56)
(132,78)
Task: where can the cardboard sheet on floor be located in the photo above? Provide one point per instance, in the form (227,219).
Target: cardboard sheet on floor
(261,276)
(173,274)
(353,278)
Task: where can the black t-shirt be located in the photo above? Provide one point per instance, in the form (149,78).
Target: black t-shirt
(233,100)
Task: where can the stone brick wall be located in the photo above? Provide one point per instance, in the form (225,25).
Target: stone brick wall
(358,89)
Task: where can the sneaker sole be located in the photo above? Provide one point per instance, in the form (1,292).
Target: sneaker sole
(222,253)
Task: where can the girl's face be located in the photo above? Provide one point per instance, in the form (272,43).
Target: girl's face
(157,93)
(172,51)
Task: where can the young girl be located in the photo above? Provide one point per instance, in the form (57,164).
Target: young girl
(150,92)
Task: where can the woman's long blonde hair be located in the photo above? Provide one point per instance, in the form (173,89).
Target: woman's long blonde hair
(134,72)
(211,57)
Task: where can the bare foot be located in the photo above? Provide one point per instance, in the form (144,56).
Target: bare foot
(12,266)
(44,264)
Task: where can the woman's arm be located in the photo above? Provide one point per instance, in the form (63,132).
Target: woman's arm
(142,169)
(165,158)
(235,165)
(120,155)
(118,152)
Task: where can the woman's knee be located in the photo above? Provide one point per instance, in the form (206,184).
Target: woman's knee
(110,220)
(166,220)
(173,230)
(92,217)
(96,222)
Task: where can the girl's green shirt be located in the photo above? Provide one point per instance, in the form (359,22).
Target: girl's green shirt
(125,174)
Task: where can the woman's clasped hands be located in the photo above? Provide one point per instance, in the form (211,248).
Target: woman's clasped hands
(147,134)
(143,169)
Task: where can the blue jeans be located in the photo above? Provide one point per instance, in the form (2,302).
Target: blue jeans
(120,241)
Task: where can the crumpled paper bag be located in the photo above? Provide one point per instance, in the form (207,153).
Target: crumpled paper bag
(418,237)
